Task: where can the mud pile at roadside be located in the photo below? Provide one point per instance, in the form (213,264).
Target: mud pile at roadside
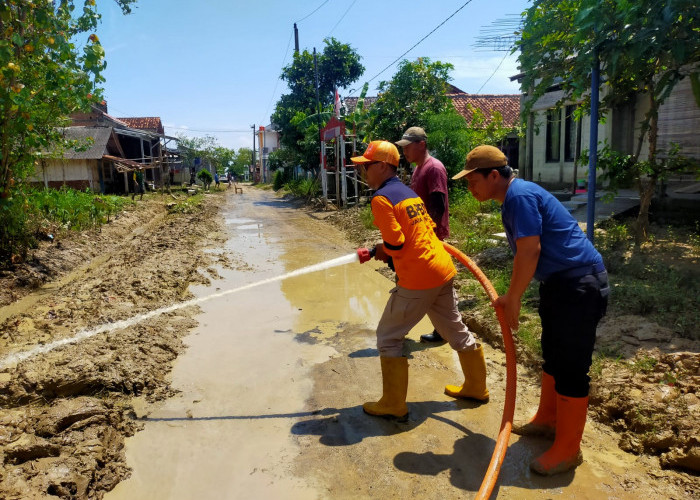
(65,414)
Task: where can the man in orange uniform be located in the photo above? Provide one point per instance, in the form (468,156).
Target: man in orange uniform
(425,272)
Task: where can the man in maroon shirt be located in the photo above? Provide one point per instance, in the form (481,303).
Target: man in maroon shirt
(429,181)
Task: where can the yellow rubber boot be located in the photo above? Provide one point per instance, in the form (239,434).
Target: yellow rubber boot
(565,453)
(474,368)
(395,386)
(544,421)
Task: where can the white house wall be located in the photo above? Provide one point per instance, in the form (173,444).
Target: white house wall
(679,122)
(560,172)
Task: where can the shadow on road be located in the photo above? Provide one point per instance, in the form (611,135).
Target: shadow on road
(466,464)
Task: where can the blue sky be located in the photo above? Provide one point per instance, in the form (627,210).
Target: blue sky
(212,66)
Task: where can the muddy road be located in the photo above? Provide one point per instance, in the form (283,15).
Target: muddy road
(252,394)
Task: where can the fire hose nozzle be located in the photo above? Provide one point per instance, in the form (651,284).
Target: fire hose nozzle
(365,254)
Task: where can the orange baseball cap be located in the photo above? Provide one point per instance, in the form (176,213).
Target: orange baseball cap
(379,151)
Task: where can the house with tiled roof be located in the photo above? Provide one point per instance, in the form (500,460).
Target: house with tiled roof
(506,105)
(106,152)
(149,123)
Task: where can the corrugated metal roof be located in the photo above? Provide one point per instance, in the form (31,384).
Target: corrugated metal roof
(100,136)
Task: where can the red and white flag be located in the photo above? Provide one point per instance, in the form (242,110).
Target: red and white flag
(336,104)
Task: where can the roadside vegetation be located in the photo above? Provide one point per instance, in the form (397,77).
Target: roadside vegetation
(33,215)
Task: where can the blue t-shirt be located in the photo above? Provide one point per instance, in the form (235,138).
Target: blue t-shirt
(530,210)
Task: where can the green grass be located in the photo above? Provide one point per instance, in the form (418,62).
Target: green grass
(660,280)
(186,205)
(366,217)
(304,188)
(645,364)
(32,214)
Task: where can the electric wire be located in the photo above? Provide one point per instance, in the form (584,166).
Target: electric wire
(313,12)
(342,17)
(421,40)
(279,78)
(494,72)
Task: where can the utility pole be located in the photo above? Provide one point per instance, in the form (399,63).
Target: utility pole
(253,164)
(593,148)
(318,116)
(296,39)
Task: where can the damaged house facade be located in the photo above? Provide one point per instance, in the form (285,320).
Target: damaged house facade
(107,152)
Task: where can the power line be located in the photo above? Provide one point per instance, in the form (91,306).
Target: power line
(314,11)
(269,105)
(421,40)
(494,72)
(342,17)
(212,130)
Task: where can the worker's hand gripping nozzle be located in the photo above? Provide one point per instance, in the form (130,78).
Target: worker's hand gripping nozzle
(366,254)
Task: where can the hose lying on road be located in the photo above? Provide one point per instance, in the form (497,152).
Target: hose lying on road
(499,452)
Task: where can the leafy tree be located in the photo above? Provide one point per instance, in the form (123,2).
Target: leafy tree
(242,160)
(196,147)
(645,47)
(210,151)
(450,137)
(358,120)
(415,91)
(205,176)
(44,77)
(338,66)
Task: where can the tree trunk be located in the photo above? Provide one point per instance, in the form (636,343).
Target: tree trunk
(647,184)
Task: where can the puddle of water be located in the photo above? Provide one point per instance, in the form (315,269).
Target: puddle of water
(238,221)
(245,379)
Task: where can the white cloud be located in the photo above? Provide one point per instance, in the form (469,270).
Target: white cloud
(472,72)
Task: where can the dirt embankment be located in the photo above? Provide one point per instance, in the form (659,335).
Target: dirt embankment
(64,415)
(648,393)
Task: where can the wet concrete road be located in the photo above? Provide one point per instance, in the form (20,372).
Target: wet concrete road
(273,379)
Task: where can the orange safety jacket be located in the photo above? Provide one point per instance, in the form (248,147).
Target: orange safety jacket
(420,259)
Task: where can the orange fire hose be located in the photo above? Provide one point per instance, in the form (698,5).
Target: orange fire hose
(499,452)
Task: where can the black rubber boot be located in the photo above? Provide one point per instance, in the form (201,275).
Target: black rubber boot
(431,337)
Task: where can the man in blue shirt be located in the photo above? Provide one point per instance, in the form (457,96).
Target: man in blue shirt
(548,245)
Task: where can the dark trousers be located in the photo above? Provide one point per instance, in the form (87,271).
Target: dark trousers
(570,310)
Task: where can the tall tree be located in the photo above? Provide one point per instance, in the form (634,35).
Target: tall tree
(415,91)
(645,47)
(44,77)
(450,137)
(338,66)
(242,161)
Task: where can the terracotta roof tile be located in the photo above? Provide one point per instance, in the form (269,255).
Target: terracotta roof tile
(506,104)
(151,123)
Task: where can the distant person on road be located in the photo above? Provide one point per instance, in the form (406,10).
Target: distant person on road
(425,273)
(550,246)
(229,179)
(138,183)
(216,179)
(429,181)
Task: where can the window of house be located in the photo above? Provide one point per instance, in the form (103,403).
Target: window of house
(553,135)
(572,135)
